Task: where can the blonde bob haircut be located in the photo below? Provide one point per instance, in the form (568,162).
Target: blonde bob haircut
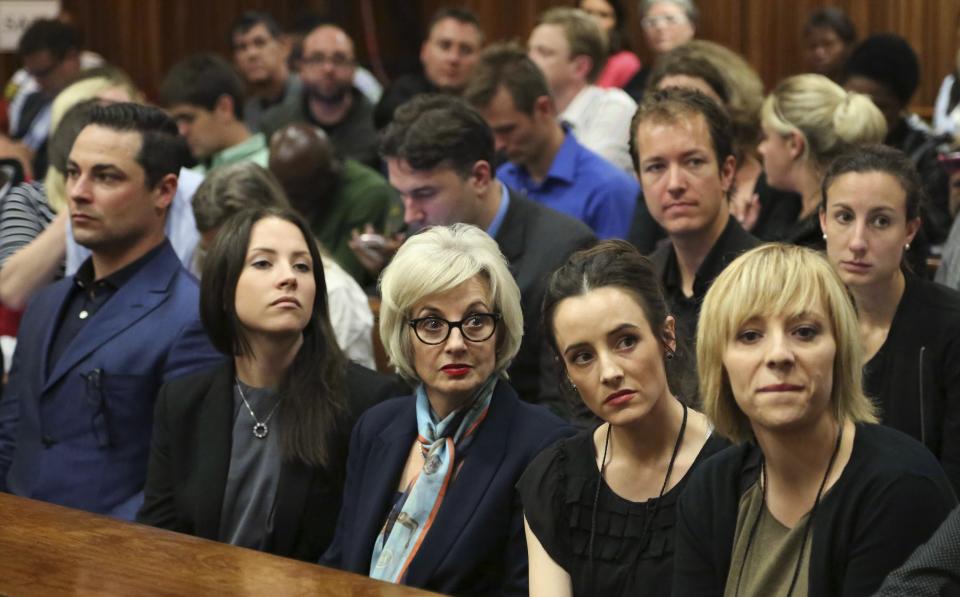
(777,279)
(433,262)
(830,119)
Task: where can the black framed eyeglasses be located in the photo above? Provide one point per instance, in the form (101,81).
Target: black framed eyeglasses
(476,327)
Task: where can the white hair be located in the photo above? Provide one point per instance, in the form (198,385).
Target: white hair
(436,261)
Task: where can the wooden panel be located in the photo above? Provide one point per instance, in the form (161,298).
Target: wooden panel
(50,550)
(147,36)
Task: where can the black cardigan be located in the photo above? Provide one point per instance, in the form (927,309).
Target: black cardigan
(190,459)
(890,498)
(915,376)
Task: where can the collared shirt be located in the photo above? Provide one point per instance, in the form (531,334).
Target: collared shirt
(494,226)
(733,241)
(600,118)
(180,227)
(583,185)
(253,149)
(87,296)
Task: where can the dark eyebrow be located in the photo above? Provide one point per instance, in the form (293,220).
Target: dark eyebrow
(275,252)
(99,168)
(614,331)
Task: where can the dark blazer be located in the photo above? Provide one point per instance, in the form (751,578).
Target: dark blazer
(915,376)
(476,544)
(81,441)
(537,240)
(190,459)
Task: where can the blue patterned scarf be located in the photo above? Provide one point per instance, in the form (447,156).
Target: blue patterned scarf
(414,513)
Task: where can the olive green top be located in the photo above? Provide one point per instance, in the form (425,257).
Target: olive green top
(773,554)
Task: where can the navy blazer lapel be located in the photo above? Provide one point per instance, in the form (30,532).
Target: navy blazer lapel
(135,299)
(215,433)
(58,298)
(468,489)
(384,465)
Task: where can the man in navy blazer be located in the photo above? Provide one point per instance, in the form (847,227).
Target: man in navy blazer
(94,348)
(439,153)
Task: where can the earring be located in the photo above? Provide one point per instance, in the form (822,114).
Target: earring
(670,354)
(906,247)
(824,236)
(573,386)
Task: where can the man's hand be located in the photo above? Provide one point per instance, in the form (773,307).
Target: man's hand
(374,251)
(18,151)
(746,211)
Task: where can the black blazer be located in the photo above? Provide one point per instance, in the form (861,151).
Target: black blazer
(476,545)
(190,459)
(536,240)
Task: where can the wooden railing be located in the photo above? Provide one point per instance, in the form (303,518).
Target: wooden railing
(51,550)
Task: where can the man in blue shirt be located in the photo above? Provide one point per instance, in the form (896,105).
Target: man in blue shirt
(545,159)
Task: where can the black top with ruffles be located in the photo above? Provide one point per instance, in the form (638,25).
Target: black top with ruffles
(558,491)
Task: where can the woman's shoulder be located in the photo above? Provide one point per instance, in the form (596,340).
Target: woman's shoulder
(198,383)
(714,444)
(388,410)
(932,302)
(722,468)
(886,449)
(565,456)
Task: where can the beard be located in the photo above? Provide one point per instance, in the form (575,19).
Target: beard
(334,95)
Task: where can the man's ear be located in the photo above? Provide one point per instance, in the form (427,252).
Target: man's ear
(481,175)
(543,106)
(164,191)
(582,65)
(728,169)
(224,107)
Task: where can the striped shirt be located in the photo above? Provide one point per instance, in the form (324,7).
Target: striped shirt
(24,214)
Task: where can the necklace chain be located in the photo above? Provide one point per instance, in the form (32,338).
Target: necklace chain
(260,429)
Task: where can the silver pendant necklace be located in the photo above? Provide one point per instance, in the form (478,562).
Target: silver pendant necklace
(260,429)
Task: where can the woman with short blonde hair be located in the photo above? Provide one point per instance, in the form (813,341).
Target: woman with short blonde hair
(814,497)
(430,477)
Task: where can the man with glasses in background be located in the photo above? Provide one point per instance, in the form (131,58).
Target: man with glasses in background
(328,99)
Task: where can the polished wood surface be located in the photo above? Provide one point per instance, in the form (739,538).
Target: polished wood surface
(50,550)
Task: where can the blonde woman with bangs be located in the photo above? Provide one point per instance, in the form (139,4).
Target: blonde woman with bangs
(807,121)
(429,499)
(815,498)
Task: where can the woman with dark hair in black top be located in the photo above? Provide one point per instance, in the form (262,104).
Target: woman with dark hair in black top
(909,327)
(599,507)
(253,451)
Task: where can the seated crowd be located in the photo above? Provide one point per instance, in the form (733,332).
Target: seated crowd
(541,320)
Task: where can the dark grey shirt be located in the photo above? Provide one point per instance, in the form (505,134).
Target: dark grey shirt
(249,499)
